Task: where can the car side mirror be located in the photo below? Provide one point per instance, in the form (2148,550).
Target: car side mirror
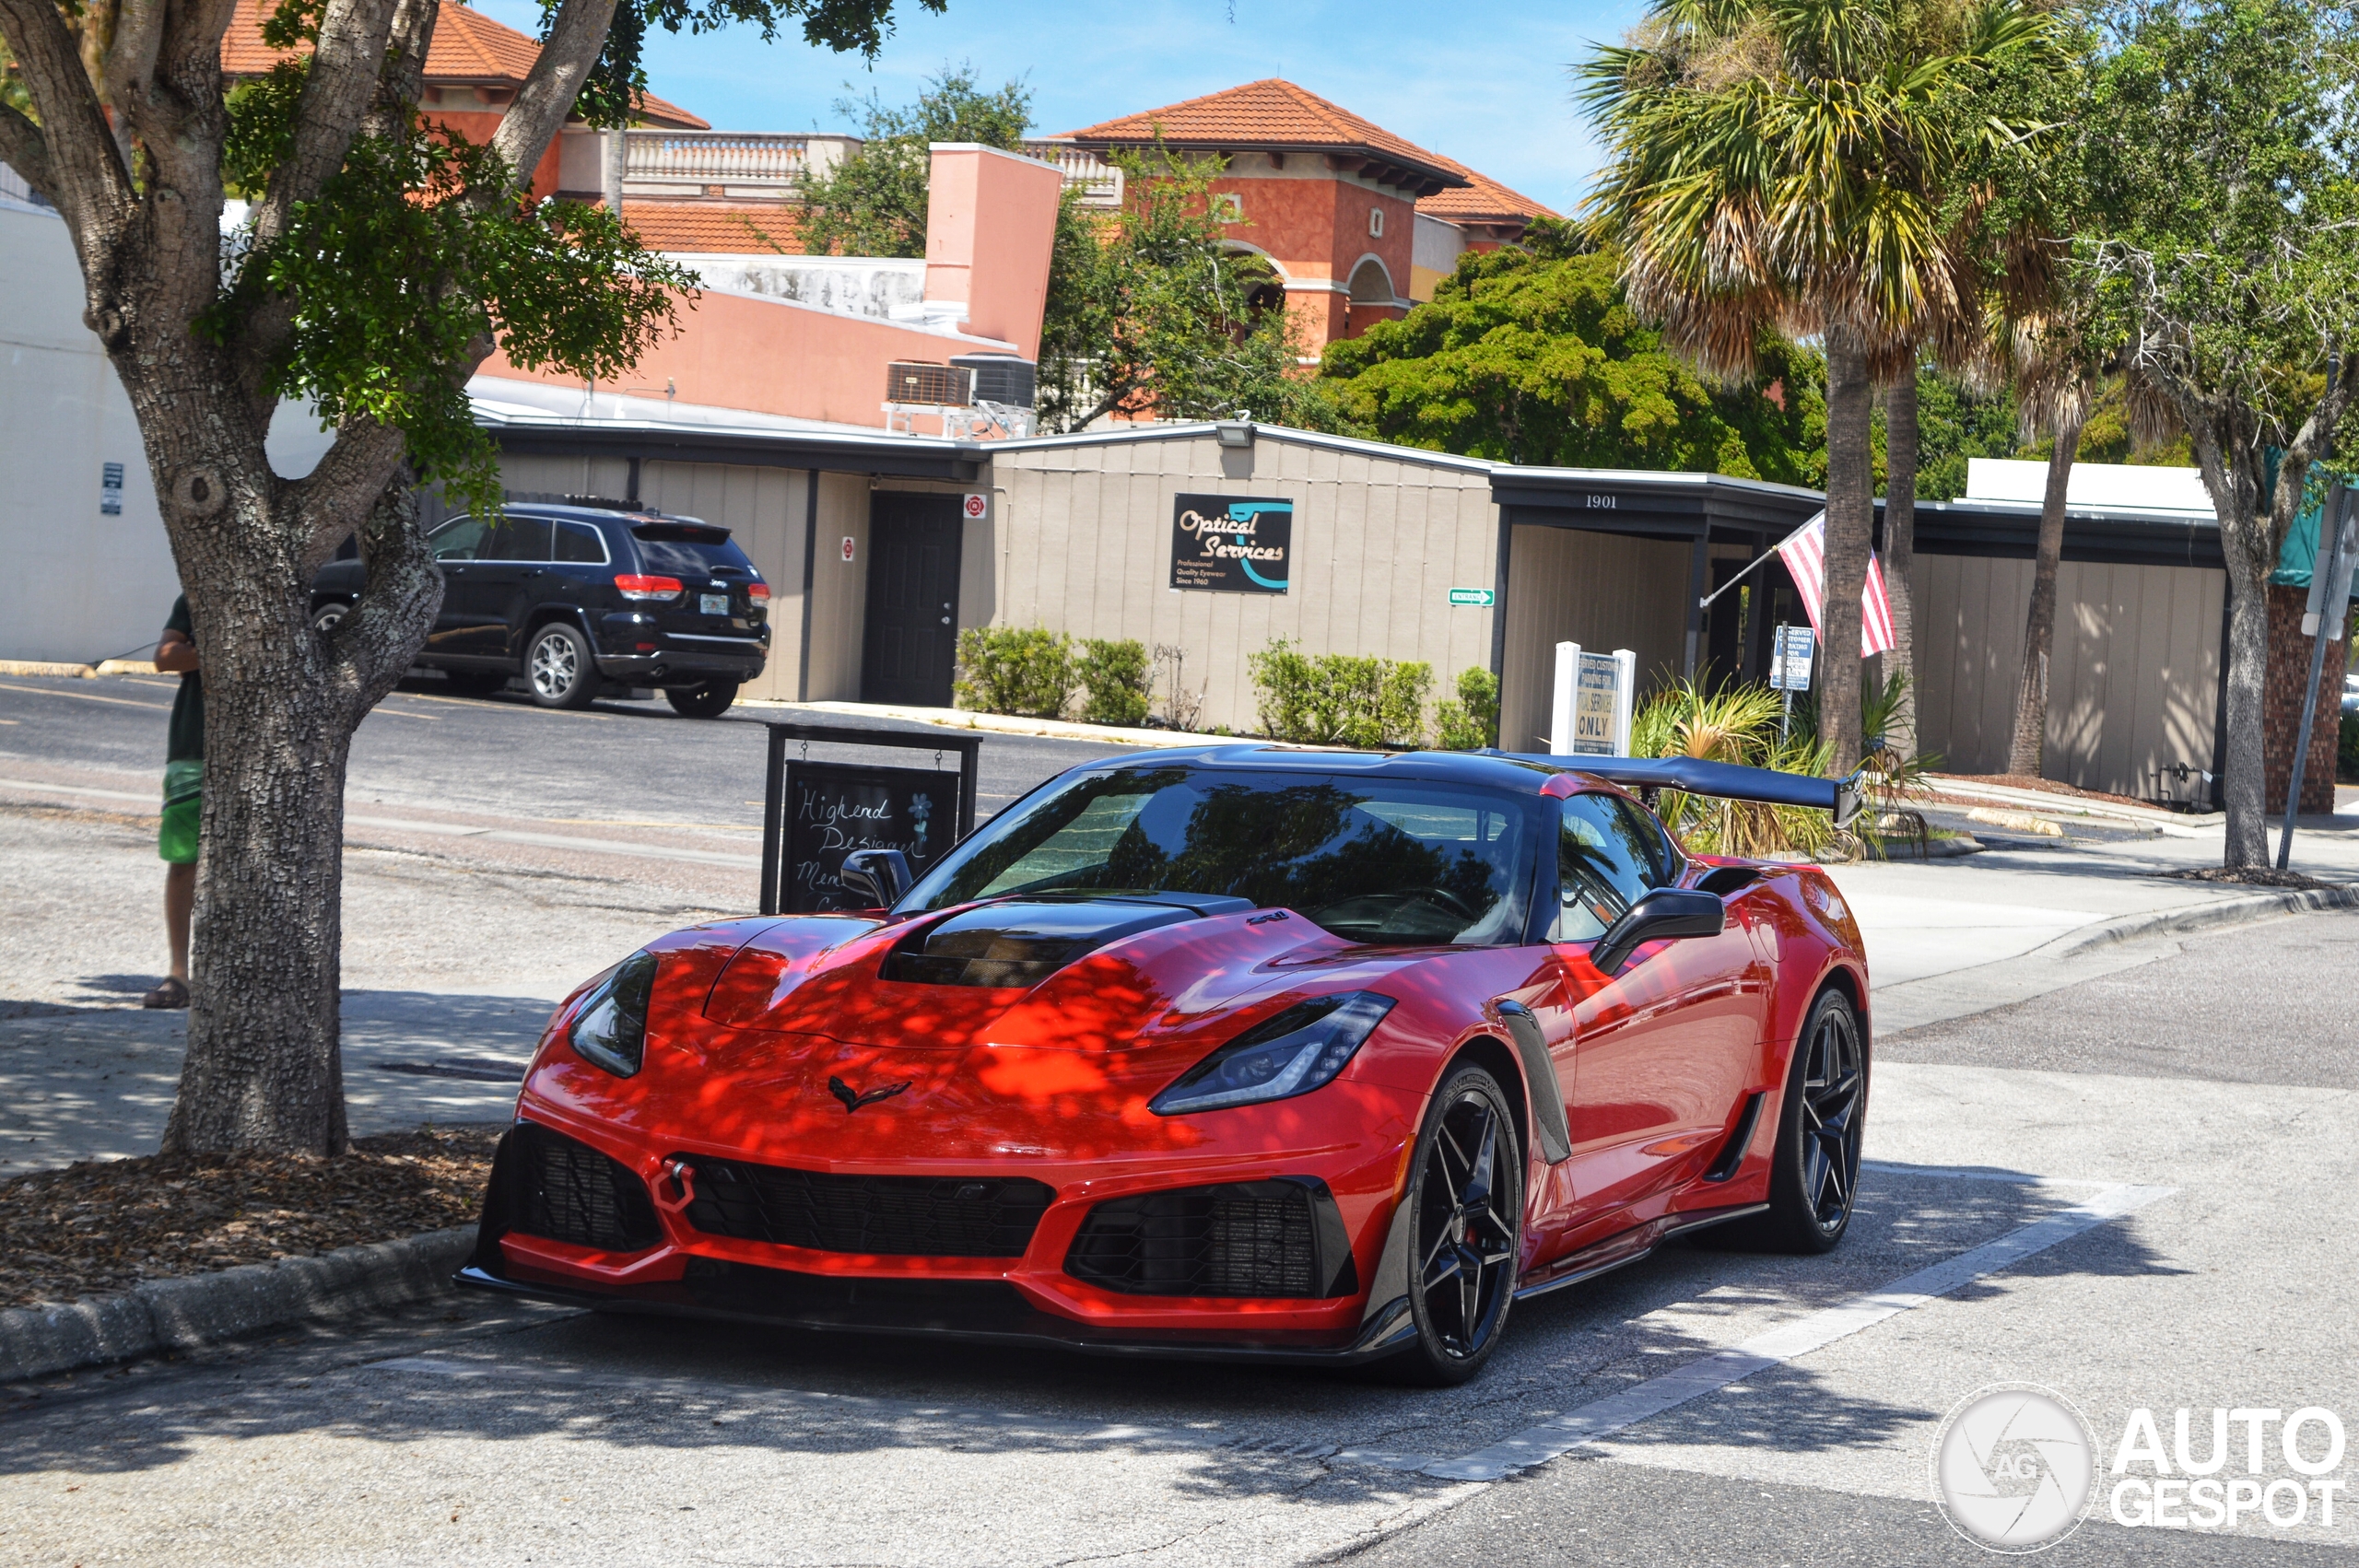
(881,876)
(1664,913)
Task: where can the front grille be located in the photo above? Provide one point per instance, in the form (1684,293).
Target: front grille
(573,1193)
(1262,1238)
(894,1216)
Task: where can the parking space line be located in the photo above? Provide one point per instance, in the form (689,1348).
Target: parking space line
(1710,1373)
(86,697)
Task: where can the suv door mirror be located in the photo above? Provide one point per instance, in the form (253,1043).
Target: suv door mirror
(881,876)
(1666,912)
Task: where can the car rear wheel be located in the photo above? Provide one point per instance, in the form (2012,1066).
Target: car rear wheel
(1465,1208)
(1814,1174)
(558,667)
(709,700)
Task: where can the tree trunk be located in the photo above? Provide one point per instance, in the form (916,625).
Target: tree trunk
(1850,525)
(2247,671)
(2039,624)
(1900,554)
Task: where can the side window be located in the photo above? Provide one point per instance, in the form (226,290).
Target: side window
(520,539)
(461,539)
(1648,842)
(579,543)
(1603,865)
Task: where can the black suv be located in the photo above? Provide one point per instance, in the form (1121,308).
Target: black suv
(571,597)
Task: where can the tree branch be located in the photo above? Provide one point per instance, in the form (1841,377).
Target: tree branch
(340,89)
(22,150)
(86,177)
(545,101)
(131,64)
(405,75)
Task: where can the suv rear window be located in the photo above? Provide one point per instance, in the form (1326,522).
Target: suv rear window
(687,549)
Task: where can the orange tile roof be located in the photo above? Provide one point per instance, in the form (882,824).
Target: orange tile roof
(468,47)
(1482,200)
(713,226)
(1271,113)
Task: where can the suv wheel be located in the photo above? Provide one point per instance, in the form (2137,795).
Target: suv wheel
(326,618)
(558,667)
(709,700)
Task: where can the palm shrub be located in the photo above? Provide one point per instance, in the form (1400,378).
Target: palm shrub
(1025,670)
(1736,724)
(1113,676)
(1339,699)
(1470,719)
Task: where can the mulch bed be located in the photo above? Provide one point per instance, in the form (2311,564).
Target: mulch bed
(2045,786)
(2248,876)
(103,1226)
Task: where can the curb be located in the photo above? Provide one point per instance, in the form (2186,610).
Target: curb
(2200,916)
(128,667)
(43,667)
(201,1309)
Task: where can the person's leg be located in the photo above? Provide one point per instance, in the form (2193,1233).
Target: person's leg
(180,898)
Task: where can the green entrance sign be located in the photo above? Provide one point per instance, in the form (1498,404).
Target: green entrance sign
(1481,598)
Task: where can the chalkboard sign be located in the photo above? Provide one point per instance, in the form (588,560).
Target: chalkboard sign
(817,813)
(833,809)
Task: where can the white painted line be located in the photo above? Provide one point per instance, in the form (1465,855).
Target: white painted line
(152,798)
(1706,1375)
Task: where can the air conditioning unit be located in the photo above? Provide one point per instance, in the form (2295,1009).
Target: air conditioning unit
(1000,377)
(923,381)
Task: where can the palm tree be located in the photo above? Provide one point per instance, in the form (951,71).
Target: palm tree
(1783,166)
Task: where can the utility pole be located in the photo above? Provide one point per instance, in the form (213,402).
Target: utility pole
(2330,596)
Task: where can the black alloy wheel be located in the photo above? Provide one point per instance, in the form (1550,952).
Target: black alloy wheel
(709,700)
(1465,1207)
(1814,1174)
(558,667)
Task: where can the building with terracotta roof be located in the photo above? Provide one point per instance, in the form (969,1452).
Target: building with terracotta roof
(473,69)
(1360,223)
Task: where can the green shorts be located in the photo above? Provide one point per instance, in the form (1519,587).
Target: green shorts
(184,808)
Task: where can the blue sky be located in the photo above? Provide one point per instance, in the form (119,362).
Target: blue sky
(1485,85)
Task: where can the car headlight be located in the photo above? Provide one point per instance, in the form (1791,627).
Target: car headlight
(610,1028)
(1298,1050)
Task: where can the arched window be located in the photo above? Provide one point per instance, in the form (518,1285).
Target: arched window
(1371,285)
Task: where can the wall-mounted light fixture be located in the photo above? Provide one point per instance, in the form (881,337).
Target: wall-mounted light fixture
(1237,430)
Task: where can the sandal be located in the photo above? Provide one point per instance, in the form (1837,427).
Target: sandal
(172,993)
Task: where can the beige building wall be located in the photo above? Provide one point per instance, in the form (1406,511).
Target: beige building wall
(838,589)
(1602,591)
(531,473)
(2133,683)
(763,508)
(1080,542)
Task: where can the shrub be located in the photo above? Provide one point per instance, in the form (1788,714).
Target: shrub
(1736,724)
(1008,669)
(1339,699)
(1471,719)
(1113,676)
(2346,755)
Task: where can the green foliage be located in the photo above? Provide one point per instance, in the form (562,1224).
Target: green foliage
(874,204)
(1735,724)
(1954,423)
(1533,354)
(1113,676)
(1150,313)
(1470,719)
(2346,751)
(1025,670)
(1340,699)
(413,255)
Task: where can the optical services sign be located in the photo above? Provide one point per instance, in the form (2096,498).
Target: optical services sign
(1231,544)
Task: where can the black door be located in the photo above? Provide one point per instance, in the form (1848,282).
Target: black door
(912,639)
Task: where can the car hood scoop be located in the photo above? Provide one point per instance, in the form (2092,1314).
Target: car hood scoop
(1020,943)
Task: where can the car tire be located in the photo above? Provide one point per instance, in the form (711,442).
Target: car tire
(558,667)
(327,617)
(1464,1209)
(709,700)
(475,682)
(1815,1171)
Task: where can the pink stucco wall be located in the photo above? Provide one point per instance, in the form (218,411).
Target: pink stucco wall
(991,221)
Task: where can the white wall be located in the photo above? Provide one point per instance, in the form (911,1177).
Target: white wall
(81,586)
(2136,485)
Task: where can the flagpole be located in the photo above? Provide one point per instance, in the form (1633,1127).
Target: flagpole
(1706,603)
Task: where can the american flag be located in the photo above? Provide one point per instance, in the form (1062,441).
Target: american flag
(1804,553)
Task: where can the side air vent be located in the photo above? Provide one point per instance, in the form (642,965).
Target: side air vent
(1019,944)
(1257,1238)
(1731,1155)
(567,1191)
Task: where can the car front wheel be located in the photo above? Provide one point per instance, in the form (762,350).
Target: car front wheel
(558,667)
(1465,1207)
(709,700)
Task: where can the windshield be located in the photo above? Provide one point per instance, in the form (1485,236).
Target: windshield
(1373,861)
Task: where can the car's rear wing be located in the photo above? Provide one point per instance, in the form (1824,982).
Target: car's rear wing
(1844,797)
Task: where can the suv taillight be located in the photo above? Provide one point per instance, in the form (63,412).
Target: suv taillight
(634,587)
(759,592)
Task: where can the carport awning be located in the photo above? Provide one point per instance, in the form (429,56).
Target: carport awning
(1652,505)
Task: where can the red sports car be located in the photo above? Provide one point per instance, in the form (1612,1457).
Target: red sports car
(1237,1051)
